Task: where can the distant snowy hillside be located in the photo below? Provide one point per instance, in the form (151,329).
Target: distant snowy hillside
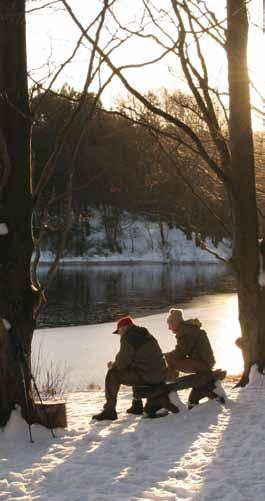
(136,239)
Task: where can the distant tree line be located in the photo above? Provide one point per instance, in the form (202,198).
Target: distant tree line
(127,161)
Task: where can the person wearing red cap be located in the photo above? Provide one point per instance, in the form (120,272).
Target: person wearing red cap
(139,361)
(123,322)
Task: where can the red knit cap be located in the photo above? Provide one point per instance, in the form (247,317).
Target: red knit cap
(122,323)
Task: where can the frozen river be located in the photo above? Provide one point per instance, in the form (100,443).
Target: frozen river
(82,295)
(85,350)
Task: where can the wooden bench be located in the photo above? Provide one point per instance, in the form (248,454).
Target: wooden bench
(157,394)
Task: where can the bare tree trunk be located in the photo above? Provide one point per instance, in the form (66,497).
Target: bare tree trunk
(16,294)
(162,233)
(245,222)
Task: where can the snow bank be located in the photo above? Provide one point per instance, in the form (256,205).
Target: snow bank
(140,241)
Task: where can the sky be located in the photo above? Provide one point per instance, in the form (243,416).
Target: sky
(52,34)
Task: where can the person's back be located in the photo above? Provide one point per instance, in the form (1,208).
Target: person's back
(147,359)
(192,354)
(193,343)
(139,361)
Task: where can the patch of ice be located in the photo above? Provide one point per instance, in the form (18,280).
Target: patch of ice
(3,229)
(7,325)
(255,377)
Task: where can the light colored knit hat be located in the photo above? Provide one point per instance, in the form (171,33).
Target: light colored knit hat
(175,315)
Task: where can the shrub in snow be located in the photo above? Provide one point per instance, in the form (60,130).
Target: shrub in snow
(52,379)
(93,387)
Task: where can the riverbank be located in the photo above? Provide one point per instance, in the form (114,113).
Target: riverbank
(138,241)
(112,261)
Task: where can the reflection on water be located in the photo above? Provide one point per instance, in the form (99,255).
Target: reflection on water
(82,295)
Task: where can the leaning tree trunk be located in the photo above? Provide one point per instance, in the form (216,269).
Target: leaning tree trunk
(250,296)
(16,293)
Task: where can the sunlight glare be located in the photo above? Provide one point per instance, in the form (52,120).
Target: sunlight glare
(219,316)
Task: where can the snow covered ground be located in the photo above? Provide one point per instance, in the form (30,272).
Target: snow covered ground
(212,452)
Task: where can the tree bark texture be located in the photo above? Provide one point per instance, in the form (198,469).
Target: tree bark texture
(16,294)
(244,206)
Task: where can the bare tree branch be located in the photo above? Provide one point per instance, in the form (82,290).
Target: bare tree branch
(194,192)
(187,130)
(44,6)
(205,105)
(62,136)
(211,251)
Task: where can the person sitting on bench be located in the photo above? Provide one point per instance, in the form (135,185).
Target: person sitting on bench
(192,354)
(140,361)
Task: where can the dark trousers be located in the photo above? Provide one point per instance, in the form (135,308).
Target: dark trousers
(197,394)
(113,381)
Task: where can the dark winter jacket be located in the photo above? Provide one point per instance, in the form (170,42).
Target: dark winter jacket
(140,351)
(193,343)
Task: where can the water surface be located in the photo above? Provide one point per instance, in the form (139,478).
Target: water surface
(82,295)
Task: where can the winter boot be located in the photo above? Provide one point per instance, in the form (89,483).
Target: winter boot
(136,407)
(108,413)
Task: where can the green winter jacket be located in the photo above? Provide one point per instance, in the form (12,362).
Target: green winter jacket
(140,351)
(193,343)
